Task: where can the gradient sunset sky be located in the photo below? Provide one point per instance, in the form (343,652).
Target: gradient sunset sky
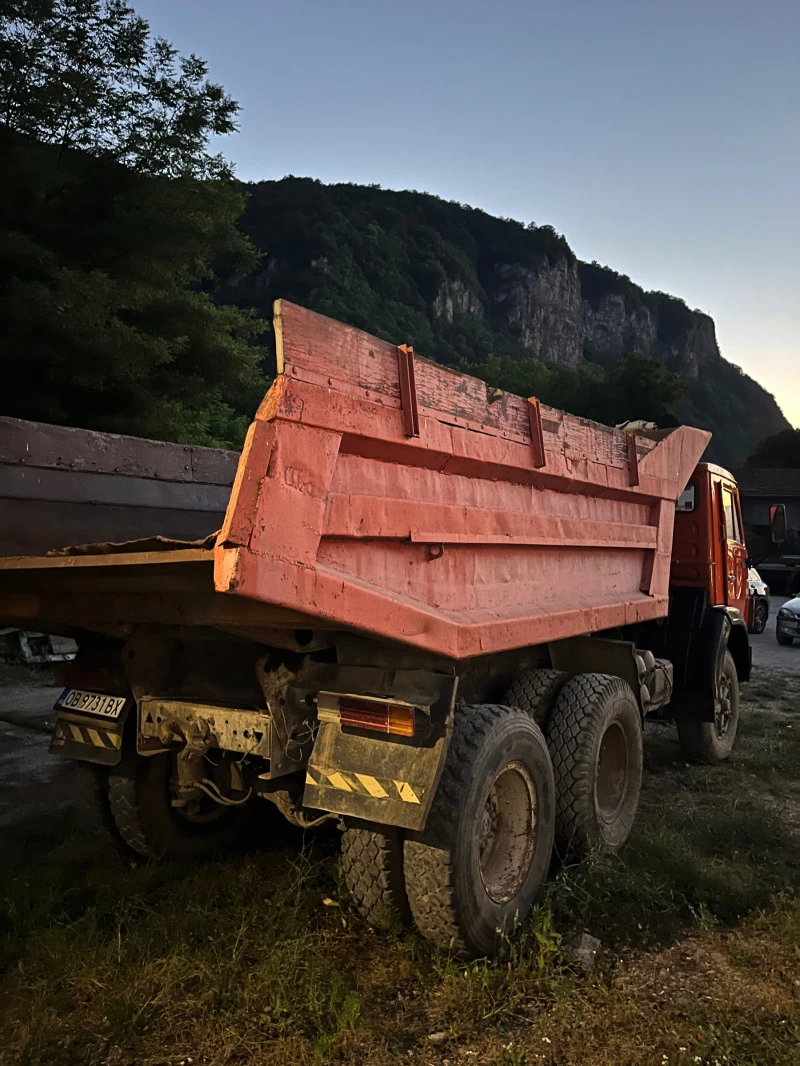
(661,138)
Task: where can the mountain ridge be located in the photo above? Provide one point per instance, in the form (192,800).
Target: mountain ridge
(461,285)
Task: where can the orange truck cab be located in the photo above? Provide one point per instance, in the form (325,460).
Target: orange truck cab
(708,549)
(708,590)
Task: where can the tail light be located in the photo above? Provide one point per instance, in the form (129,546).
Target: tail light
(367,712)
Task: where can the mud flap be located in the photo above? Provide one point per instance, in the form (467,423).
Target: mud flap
(698,699)
(88,738)
(380,778)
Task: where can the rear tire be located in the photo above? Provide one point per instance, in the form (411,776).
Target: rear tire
(595,740)
(372,866)
(475,871)
(535,692)
(712,742)
(141,809)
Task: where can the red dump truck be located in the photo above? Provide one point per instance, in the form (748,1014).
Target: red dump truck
(435,612)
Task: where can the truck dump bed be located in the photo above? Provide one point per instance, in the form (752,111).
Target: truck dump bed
(62,486)
(381,493)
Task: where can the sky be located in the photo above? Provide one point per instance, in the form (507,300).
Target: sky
(661,137)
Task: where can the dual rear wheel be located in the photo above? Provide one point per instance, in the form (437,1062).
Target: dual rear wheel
(508,791)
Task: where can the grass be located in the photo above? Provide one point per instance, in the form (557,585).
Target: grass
(242,963)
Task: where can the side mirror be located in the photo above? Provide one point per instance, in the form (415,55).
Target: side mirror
(777,523)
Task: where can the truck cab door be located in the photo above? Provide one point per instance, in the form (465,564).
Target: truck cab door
(735,556)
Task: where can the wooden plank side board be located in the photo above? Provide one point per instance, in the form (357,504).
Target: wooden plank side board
(69,486)
(108,561)
(34,527)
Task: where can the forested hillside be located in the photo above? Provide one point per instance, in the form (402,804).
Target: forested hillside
(508,302)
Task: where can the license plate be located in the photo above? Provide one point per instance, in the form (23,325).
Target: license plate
(76,699)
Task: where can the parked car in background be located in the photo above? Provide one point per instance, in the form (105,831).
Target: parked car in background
(788,625)
(759,602)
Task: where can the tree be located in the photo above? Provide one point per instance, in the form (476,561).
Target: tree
(114,218)
(103,322)
(781,449)
(637,387)
(86,74)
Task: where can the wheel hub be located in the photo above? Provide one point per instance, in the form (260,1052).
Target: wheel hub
(723,712)
(508,832)
(612,772)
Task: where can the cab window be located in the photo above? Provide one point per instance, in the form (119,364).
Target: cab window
(732,530)
(686,500)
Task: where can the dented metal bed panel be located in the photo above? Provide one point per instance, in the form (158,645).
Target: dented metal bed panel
(382,493)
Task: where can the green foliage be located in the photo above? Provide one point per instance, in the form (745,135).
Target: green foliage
(636,388)
(86,74)
(103,323)
(111,228)
(779,450)
(387,262)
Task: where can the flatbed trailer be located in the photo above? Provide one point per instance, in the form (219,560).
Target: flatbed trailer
(434,612)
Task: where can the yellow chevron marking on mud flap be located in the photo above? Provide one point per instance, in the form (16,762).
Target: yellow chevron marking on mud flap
(406,792)
(373,786)
(340,782)
(87,735)
(310,780)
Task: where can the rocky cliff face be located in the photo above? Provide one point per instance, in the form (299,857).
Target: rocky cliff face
(544,309)
(455,297)
(541,308)
(609,328)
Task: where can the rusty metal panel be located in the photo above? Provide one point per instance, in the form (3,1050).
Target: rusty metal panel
(61,486)
(230,728)
(408,390)
(537,432)
(89,737)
